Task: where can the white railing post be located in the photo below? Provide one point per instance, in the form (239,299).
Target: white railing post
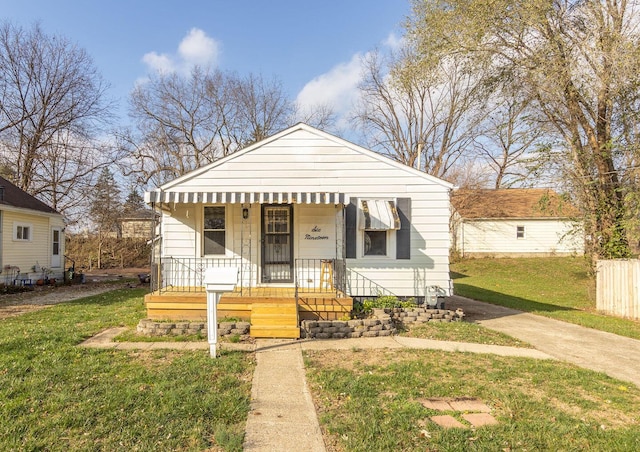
(217,281)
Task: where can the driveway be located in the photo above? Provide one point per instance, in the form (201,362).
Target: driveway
(617,356)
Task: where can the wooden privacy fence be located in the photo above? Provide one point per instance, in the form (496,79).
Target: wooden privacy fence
(618,287)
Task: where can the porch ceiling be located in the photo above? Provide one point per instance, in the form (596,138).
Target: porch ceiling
(161,196)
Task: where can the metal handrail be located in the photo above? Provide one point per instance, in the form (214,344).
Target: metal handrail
(186,274)
(361,286)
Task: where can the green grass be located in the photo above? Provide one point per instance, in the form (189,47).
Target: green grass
(556,287)
(462,332)
(371,400)
(56,396)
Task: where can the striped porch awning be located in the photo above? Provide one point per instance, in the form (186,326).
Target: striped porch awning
(160,196)
(379,215)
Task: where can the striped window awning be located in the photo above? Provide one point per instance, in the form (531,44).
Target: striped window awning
(378,214)
(161,196)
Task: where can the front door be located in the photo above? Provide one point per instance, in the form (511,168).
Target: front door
(277,244)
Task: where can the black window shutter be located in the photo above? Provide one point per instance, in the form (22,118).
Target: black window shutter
(403,235)
(351,232)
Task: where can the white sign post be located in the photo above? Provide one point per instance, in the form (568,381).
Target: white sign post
(217,281)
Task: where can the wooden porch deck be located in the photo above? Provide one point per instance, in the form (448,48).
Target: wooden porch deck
(271,310)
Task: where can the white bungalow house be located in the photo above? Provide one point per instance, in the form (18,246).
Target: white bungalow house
(31,238)
(514,222)
(311,220)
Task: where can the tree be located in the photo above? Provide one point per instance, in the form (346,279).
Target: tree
(106,208)
(134,202)
(183,123)
(507,140)
(106,205)
(418,113)
(261,108)
(576,62)
(52,106)
(180,122)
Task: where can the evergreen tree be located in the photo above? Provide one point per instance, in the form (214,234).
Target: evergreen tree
(106,206)
(134,202)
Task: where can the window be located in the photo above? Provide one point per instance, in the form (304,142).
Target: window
(520,232)
(375,243)
(214,230)
(22,232)
(55,242)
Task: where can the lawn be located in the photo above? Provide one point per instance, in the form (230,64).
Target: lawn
(56,396)
(556,287)
(462,332)
(373,400)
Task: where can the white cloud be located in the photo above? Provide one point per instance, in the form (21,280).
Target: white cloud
(337,88)
(158,62)
(196,48)
(394,42)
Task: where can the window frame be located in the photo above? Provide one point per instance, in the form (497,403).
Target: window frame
(22,226)
(390,235)
(520,232)
(205,230)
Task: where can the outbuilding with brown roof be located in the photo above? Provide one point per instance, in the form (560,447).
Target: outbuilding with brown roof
(515,222)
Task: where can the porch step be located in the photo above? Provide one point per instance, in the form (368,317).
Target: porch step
(275,320)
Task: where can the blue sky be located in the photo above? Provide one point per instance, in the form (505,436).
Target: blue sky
(313,47)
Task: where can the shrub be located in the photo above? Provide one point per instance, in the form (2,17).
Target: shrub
(384,302)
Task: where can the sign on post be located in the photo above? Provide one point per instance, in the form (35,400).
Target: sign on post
(217,281)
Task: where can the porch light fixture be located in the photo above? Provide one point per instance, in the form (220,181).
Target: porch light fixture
(245,213)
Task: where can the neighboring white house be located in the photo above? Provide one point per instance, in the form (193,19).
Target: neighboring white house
(304,208)
(31,237)
(515,222)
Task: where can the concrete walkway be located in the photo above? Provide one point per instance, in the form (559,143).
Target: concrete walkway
(617,356)
(282,415)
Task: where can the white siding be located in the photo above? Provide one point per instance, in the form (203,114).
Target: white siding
(430,243)
(499,237)
(315,231)
(303,161)
(37,250)
(179,231)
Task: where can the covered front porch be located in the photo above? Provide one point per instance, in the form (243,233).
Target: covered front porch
(274,310)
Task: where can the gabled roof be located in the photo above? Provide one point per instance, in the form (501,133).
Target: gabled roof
(523,203)
(16,197)
(304,127)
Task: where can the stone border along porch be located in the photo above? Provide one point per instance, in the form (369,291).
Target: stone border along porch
(156,328)
(383,322)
